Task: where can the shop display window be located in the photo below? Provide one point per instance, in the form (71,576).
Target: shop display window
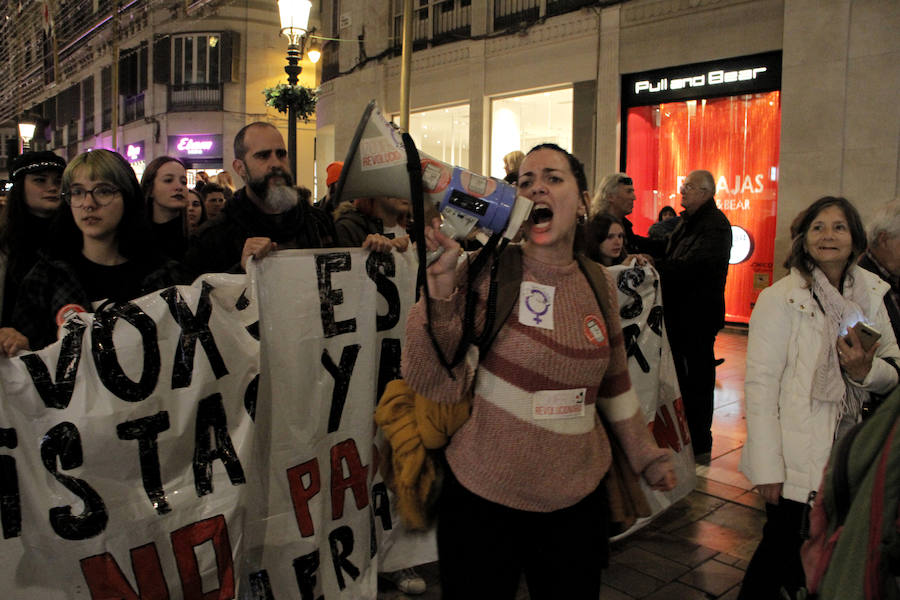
(737,139)
(442,133)
(522,122)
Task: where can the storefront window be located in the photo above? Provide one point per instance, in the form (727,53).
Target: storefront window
(442,133)
(522,122)
(737,139)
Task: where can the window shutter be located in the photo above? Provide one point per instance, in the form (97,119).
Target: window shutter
(162,51)
(231,54)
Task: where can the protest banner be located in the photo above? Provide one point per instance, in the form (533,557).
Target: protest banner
(203,442)
(143,456)
(653,377)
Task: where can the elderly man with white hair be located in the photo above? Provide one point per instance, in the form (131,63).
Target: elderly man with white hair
(693,288)
(616,197)
(882,257)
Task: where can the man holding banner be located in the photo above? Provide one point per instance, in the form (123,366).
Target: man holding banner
(263,215)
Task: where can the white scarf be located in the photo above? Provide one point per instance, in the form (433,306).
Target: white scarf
(841,313)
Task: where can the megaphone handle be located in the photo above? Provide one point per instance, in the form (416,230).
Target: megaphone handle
(433,255)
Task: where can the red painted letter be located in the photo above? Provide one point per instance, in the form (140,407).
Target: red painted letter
(301,495)
(184,541)
(105,579)
(346,452)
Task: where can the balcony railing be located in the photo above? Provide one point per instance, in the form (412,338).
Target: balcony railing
(558,7)
(508,13)
(133,108)
(195,96)
(420,29)
(450,20)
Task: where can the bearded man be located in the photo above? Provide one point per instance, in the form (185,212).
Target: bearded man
(264,215)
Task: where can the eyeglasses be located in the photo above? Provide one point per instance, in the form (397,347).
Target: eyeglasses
(102,194)
(626,180)
(690,187)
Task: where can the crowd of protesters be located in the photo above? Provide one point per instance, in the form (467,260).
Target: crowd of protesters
(75,236)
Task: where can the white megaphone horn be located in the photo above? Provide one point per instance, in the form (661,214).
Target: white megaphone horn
(376,165)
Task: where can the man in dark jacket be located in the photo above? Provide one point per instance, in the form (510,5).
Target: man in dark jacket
(693,287)
(263,215)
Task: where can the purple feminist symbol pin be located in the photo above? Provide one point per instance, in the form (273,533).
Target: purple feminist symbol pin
(537,303)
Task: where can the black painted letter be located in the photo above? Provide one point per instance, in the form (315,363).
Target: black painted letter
(64,442)
(380,266)
(211,414)
(10,503)
(58,394)
(145,430)
(194,328)
(326,264)
(108,368)
(342,375)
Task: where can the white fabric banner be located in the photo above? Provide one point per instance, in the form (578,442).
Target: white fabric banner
(158,450)
(653,377)
(136,461)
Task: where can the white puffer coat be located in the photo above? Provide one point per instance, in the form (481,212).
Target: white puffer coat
(789,435)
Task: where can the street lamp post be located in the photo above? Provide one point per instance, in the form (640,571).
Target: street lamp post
(27,126)
(294,21)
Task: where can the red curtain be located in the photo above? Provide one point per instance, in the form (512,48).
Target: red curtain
(735,138)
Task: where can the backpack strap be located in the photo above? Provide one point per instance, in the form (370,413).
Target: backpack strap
(596,276)
(506,274)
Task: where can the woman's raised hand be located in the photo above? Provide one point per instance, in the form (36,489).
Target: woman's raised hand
(442,272)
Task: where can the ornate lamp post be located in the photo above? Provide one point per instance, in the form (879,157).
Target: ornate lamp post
(294,21)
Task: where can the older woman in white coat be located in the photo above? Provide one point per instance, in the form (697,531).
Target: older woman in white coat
(806,382)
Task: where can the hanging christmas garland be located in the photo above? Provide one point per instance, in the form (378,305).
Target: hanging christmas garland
(283,96)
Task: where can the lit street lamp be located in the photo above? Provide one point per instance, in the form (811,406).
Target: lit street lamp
(294,21)
(27,125)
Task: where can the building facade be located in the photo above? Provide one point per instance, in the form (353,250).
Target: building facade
(187,78)
(783,100)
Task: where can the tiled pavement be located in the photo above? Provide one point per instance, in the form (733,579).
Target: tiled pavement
(697,549)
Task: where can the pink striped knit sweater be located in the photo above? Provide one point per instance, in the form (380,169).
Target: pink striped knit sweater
(503,453)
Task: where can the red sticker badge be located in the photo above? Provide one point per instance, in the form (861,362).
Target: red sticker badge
(67,312)
(435,175)
(595,330)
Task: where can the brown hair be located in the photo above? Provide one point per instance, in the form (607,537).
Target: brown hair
(799,258)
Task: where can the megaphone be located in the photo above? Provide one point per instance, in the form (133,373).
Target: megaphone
(376,165)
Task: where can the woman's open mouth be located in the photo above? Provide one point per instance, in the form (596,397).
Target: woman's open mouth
(541,216)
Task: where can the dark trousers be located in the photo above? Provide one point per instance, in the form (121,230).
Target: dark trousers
(484,547)
(694,356)
(776,562)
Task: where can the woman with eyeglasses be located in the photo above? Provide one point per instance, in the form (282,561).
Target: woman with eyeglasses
(24,223)
(101,248)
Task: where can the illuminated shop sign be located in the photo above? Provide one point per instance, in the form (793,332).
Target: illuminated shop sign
(195,146)
(134,152)
(729,77)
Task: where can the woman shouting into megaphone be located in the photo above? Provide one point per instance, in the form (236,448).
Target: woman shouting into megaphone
(525,489)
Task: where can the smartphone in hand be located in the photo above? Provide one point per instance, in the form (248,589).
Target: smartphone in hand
(867,335)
